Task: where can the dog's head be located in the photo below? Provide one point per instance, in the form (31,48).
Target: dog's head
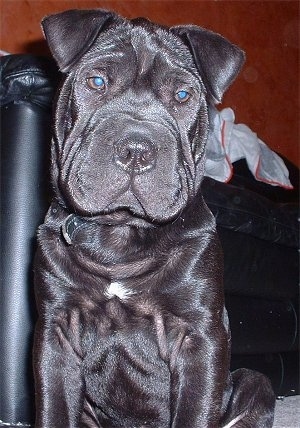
(131,116)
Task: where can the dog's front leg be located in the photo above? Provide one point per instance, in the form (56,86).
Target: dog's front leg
(58,377)
(199,367)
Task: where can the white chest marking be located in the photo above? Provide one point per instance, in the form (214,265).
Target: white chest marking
(116,289)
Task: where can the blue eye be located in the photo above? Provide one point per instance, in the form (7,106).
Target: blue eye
(182,96)
(96,82)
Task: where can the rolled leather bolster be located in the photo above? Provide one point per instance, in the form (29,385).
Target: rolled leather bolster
(26,97)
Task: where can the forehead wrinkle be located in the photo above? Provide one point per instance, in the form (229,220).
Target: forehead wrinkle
(145,46)
(109,50)
(141,46)
(162,45)
(112,43)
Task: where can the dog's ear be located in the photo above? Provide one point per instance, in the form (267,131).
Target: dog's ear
(69,34)
(218,61)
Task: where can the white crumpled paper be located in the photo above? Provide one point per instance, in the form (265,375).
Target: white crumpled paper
(229,142)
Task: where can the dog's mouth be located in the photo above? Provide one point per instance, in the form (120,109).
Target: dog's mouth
(129,205)
(139,177)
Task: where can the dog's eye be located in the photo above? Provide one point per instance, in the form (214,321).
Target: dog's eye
(96,82)
(182,96)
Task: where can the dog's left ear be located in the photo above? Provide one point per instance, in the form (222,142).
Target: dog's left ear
(70,33)
(218,61)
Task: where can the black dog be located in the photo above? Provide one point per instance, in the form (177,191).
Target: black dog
(132,329)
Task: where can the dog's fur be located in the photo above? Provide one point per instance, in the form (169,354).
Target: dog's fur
(132,329)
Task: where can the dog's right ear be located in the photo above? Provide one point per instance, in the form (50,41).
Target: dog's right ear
(69,34)
(217,60)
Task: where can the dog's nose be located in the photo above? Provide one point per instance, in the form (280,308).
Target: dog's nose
(135,156)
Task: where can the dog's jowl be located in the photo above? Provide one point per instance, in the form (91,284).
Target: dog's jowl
(132,330)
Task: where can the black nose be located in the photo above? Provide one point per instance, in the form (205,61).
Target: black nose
(136,155)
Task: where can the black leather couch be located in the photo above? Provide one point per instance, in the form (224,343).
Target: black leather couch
(257,224)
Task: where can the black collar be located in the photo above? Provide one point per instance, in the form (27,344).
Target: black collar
(71,225)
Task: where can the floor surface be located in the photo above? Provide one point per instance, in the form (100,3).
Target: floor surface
(287,412)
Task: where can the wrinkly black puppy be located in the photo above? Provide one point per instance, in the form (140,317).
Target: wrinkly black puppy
(132,329)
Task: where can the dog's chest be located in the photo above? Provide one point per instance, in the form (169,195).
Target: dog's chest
(123,365)
(125,375)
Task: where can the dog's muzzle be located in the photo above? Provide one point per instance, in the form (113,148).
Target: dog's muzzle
(135,155)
